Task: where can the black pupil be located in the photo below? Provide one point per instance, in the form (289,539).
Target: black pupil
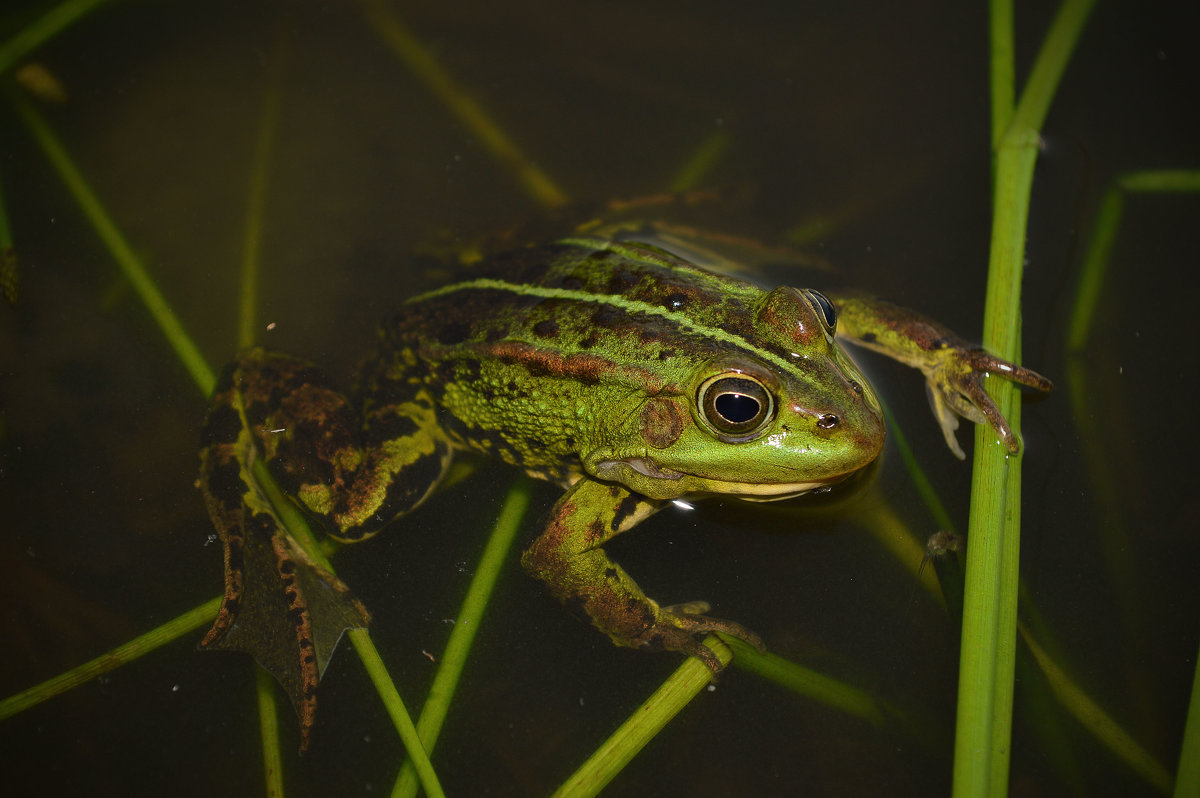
(736,408)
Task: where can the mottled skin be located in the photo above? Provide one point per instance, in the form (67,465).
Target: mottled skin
(627,375)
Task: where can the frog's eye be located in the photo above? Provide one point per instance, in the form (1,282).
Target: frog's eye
(822,303)
(735,405)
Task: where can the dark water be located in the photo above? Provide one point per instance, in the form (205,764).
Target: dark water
(871,114)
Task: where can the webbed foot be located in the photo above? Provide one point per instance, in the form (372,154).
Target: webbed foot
(283,610)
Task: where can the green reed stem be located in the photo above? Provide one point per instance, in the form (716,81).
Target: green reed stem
(1001,71)
(536,183)
(688,680)
(1095,270)
(268,714)
(121,655)
(470,615)
(129,264)
(190,356)
(643,724)
(701,162)
(893,534)
(268,724)
(6,238)
(394,706)
(1106,730)
(1094,274)
(10,277)
(985,670)
(1164,181)
(806,682)
(203,376)
(1187,775)
(984,718)
(264,146)
(297,526)
(44,28)
(920,480)
(1047,69)
(1113,532)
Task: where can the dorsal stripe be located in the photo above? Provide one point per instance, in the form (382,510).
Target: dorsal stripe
(627,305)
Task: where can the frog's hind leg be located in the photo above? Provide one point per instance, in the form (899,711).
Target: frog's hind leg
(279,606)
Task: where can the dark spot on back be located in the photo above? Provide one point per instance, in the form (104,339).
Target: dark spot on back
(223,425)
(225,484)
(620,282)
(390,427)
(454,332)
(225,381)
(606,316)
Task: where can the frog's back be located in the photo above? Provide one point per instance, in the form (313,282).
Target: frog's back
(620,300)
(531,355)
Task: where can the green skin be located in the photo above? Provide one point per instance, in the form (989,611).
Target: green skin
(616,369)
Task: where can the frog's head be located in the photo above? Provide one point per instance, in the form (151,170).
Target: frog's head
(786,413)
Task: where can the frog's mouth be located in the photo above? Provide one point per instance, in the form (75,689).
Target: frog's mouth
(749,491)
(643,466)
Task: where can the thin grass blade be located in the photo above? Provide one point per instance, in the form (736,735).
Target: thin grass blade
(458,647)
(139,646)
(643,725)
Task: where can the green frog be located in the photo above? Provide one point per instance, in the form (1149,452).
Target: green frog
(621,371)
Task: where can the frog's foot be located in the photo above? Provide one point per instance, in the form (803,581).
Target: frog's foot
(282,609)
(676,629)
(954,383)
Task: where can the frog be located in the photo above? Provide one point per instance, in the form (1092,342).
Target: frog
(625,373)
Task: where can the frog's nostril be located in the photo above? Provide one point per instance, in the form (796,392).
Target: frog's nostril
(828,421)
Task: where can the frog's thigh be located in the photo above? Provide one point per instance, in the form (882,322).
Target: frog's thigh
(405,455)
(314,443)
(568,557)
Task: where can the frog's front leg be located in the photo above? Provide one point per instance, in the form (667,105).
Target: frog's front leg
(953,369)
(569,557)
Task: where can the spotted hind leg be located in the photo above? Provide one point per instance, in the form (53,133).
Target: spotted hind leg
(280,606)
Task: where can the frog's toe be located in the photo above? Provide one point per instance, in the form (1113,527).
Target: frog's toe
(971,401)
(956,389)
(946,415)
(984,361)
(679,625)
(671,638)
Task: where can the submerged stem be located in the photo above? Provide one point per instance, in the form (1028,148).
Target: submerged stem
(536,183)
(44,28)
(987,664)
(255,206)
(143,644)
(467,622)
(643,725)
(131,266)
